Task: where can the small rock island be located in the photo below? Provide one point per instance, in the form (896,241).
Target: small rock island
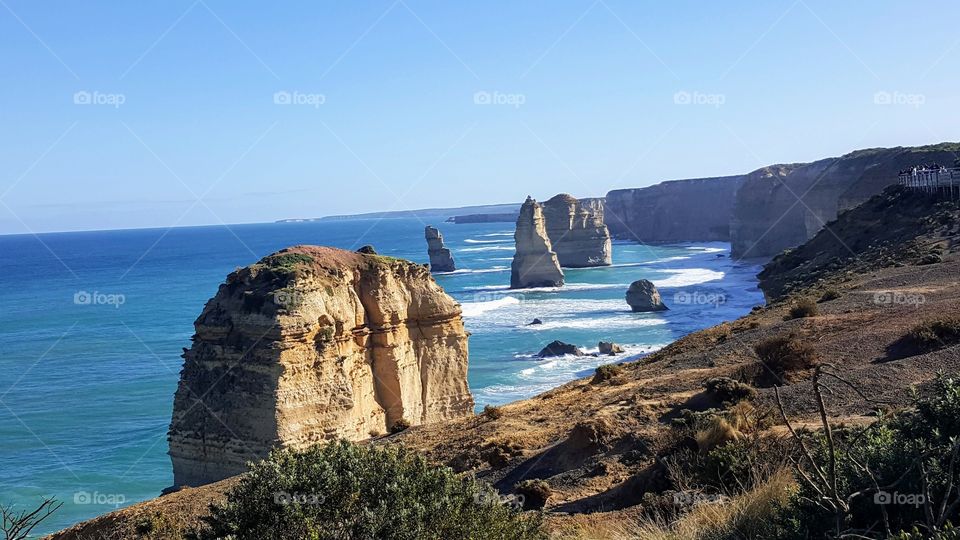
(441,260)
(535,264)
(643,296)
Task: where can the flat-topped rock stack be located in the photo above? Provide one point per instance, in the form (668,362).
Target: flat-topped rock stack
(535,263)
(577,231)
(441,260)
(310,344)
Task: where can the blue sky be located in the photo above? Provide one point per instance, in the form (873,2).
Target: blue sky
(136,114)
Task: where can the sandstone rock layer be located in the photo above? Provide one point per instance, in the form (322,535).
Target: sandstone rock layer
(577,232)
(310,344)
(535,264)
(441,260)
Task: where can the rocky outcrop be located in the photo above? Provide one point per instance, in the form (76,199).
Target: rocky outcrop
(643,296)
(309,344)
(559,348)
(674,211)
(609,348)
(577,232)
(440,258)
(785,205)
(535,263)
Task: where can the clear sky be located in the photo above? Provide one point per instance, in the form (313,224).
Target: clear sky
(150,114)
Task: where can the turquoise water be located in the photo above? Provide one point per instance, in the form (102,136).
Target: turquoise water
(93,324)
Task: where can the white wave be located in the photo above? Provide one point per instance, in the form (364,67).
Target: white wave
(488,248)
(473,309)
(505,233)
(619,322)
(705,249)
(566,287)
(472,241)
(688,276)
(460,271)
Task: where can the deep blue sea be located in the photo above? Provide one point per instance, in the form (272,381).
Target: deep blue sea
(92,326)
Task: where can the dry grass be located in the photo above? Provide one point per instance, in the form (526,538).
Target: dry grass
(743,516)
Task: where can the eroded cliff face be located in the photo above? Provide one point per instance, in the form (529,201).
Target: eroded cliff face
(782,206)
(535,264)
(577,232)
(674,211)
(309,344)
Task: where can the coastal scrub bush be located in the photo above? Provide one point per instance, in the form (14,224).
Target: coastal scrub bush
(803,308)
(785,354)
(828,295)
(934,334)
(345,491)
(728,391)
(492,412)
(286,262)
(605,373)
(400,425)
(535,493)
(18,525)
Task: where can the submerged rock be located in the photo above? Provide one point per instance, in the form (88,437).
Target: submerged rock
(609,348)
(559,348)
(535,321)
(643,296)
(440,258)
(534,264)
(577,232)
(311,344)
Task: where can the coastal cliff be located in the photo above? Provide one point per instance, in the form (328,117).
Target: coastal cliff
(310,344)
(674,211)
(577,232)
(441,260)
(782,206)
(535,264)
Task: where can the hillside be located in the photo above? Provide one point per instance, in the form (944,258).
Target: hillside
(617,449)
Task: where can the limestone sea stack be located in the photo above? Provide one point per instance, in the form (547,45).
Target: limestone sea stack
(440,258)
(309,344)
(535,263)
(643,296)
(577,232)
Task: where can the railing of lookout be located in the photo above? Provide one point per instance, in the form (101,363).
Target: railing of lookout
(937,180)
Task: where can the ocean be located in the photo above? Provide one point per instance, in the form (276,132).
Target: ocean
(93,324)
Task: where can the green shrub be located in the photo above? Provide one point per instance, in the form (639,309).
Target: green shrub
(803,308)
(535,493)
(728,391)
(785,354)
(934,334)
(606,372)
(286,262)
(828,295)
(352,492)
(400,425)
(492,412)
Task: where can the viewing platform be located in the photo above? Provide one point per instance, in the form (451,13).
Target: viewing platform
(938,180)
